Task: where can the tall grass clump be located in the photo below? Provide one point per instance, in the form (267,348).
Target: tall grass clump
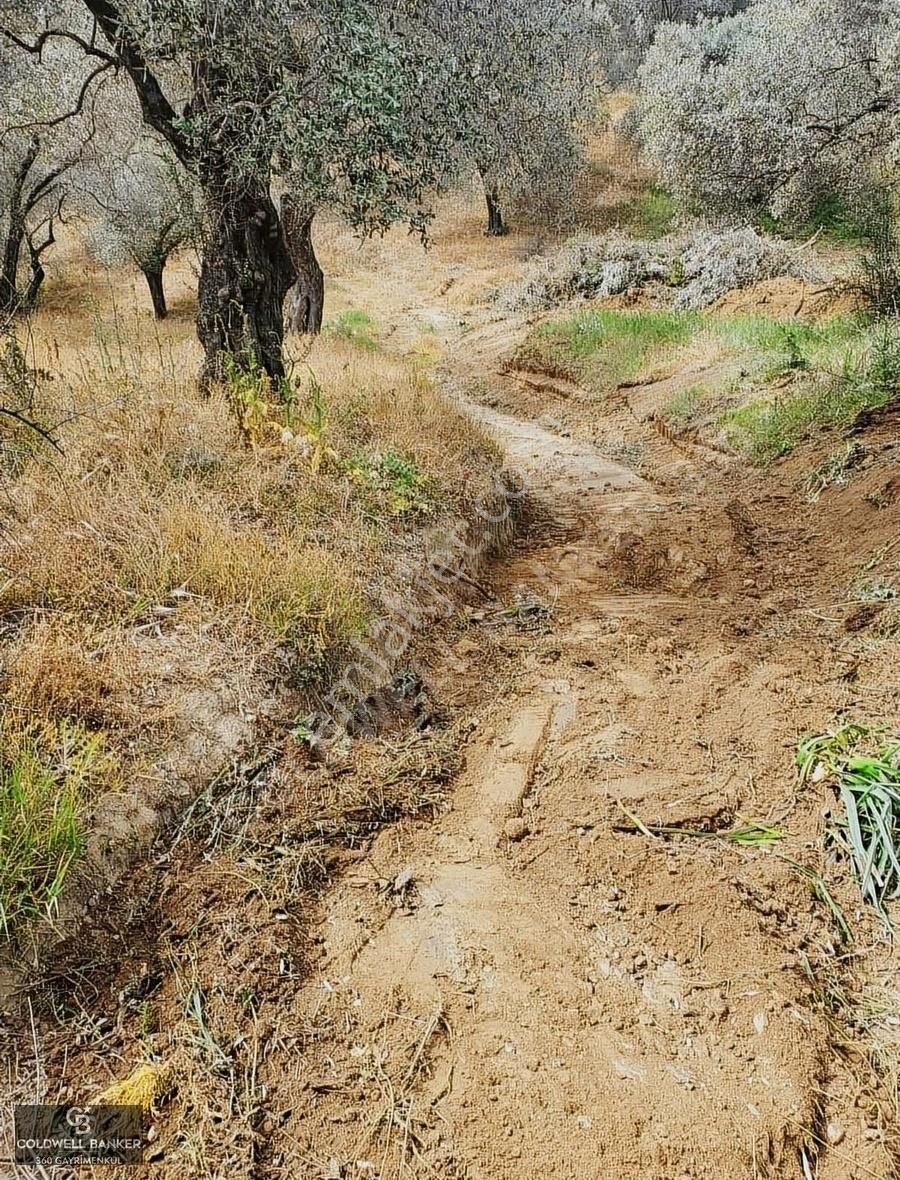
(355,326)
(49,775)
(864,768)
(878,273)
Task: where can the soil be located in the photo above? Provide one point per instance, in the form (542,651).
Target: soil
(529,981)
(788,298)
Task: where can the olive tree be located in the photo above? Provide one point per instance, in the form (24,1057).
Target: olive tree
(42,132)
(627,27)
(332,94)
(525,76)
(771,107)
(139,202)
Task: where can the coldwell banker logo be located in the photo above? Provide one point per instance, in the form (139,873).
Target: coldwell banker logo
(71,1135)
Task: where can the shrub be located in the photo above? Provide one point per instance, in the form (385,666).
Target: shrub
(587,267)
(878,279)
(718,262)
(705,262)
(768,109)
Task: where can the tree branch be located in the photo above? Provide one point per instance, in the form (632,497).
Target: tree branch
(157,110)
(45,434)
(37,48)
(76,110)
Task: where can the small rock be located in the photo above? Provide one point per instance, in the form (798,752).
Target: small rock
(835,1133)
(515,829)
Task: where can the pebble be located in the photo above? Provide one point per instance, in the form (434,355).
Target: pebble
(834,1133)
(515,829)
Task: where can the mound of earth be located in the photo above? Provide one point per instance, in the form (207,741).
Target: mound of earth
(789,298)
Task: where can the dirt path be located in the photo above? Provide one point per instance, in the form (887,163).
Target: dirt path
(544,990)
(531,983)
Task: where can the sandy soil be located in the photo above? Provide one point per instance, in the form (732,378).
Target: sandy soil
(531,983)
(553,992)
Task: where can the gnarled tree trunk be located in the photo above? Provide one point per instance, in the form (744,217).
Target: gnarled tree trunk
(244,276)
(15,232)
(495,225)
(306,299)
(154,277)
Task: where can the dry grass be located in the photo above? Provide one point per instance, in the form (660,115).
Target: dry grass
(162,520)
(63,667)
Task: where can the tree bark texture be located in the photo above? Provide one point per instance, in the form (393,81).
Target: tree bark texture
(495,225)
(244,276)
(154,277)
(306,298)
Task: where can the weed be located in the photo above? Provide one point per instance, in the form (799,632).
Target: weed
(401,486)
(874,590)
(747,834)
(354,326)
(865,770)
(48,777)
(314,422)
(824,894)
(204,1040)
(683,412)
(834,471)
(250,398)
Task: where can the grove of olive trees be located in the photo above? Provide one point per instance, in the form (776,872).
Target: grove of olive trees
(230,125)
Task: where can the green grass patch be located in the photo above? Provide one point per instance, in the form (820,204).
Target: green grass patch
(868,376)
(355,326)
(686,409)
(48,778)
(833,369)
(601,347)
(831,216)
(655,212)
(775,347)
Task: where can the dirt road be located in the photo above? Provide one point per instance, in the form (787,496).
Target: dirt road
(537,980)
(536,984)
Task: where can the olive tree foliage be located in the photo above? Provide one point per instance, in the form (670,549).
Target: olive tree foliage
(627,28)
(139,203)
(770,108)
(335,97)
(525,76)
(43,127)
